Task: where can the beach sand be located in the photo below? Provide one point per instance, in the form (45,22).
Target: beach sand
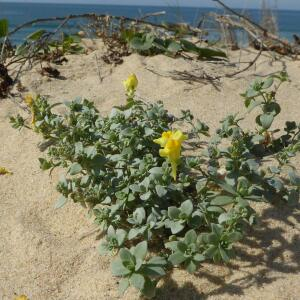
(42,252)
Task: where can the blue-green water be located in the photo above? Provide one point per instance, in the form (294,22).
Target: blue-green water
(18,13)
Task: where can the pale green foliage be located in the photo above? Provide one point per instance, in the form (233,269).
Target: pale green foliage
(48,47)
(152,221)
(3,28)
(148,43)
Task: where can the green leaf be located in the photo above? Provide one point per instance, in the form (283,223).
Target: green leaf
(217,229)
(138,281)
(111,231)
(156,171)
(210,252)
(223,254)
(171,245)
(139,215)
(157,260)
(191,267)
(253,103)
(182,246)
(126,255)
(21,50)
(160,44)
(294,178)
(176,227)
(266,120)
(173,212)
(196,220)
(138,264)
(276,183)
(212,238)
(293,197)
(174,47)
(133,233)
(199,257)
(75,168)
(202,52)
(153,271)
(272,108)
(274,170)
(258,139)
(187,207)
(215,209)
(141,44)
(189,46)
(60,202)
(226,187)
(161,191)
(121,236)
(251,93)
(149,289)
(145,196)
(3,28)
(268,83)
(224,217)
(140,250)
(190,237)
(222,200)
(44,164)
(118,269)
(234,237)
(177,258)
(123,285)
(210,53)
(35,35)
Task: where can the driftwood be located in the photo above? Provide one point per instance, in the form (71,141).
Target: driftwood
(260,35)
(258,40)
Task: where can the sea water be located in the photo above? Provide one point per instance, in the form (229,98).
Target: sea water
(19,13)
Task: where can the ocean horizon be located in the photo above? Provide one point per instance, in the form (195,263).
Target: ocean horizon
(18,13)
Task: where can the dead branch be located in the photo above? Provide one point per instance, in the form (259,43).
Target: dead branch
(95,17)
(264,33)
(246,68)
(258,38)
(155,14)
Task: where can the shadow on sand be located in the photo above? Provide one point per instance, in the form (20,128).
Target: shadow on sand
(275,252)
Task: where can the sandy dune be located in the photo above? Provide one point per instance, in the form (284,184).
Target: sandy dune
(41,252)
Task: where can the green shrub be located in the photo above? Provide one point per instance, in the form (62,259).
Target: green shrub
(159,208)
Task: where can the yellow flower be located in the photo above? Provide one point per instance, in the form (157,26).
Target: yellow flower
(162,141)
(29,100)
(131,84)
(4,171)
(171,144)
(22,297)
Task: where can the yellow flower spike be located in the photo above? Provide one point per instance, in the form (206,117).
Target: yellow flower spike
(174,170)
(179,136)
(29,100)
(164,138)
(171,143)
(4,171)
(131,84)
(22,297)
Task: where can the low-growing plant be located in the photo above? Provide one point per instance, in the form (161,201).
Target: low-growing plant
(46,46)
(149,43)
(161,206)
